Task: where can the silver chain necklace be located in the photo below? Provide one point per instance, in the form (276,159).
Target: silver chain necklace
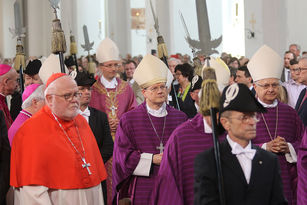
(161,146)
(84,165)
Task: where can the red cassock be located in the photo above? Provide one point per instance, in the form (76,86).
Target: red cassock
(43,155)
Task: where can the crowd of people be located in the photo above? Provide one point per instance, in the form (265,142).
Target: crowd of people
(132,130)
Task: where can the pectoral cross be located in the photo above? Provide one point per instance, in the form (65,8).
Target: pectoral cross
(161,147)
(113,108)
(86,165)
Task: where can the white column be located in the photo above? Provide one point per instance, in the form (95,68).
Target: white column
(7,43)
(119,25)
(39,26)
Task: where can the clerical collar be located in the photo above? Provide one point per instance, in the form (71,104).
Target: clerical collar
(207,128)
(161,112)
(274,104)
(233,143)
(108,84)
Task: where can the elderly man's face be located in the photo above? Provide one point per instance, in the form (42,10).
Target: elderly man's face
(63,99)
(155,94)
(11,82)
(239,125)
(267,89)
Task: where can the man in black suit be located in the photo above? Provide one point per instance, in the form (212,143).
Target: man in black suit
(251,175)
(5,156)
(301,104)
(243,76)
(97,120)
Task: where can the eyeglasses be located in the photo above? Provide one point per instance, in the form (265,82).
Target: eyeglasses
(295,70)
(115,65)
(298,70)
(267,85)
(157,88)
(69,96)
(245,118)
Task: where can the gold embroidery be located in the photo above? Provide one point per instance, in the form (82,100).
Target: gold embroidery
(111,99)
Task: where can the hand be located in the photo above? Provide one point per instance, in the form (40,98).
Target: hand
(282,145)
(156,159)
(278,145)
(113,124)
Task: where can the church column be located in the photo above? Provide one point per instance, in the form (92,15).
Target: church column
(7,43)
(119,24)
(38,24)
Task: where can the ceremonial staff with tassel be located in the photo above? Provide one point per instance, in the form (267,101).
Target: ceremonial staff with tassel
(19,31)
(162,51)
(216,147)
(58,42)
(73,50)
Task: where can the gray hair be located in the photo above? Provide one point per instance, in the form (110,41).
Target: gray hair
(298,47)
(52,85)
(38,95)
(175,59)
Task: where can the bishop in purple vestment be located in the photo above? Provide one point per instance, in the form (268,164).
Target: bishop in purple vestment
(279,130)
(142,135)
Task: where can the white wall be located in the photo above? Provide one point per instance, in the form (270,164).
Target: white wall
(89,13)
(278,24)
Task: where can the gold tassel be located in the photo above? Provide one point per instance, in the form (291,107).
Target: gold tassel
(162,51)
(58,42)
(73,46)
(92,67)
(210,97)
(20,58)
(209,73)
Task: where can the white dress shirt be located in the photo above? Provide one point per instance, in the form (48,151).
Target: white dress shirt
(244,156)
(293,90)
(86,113)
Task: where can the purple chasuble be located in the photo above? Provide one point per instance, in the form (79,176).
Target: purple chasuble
(6,112)
(302,172)
(121,99)
(135,135)
(20,119)
(289,127)
(175,180)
